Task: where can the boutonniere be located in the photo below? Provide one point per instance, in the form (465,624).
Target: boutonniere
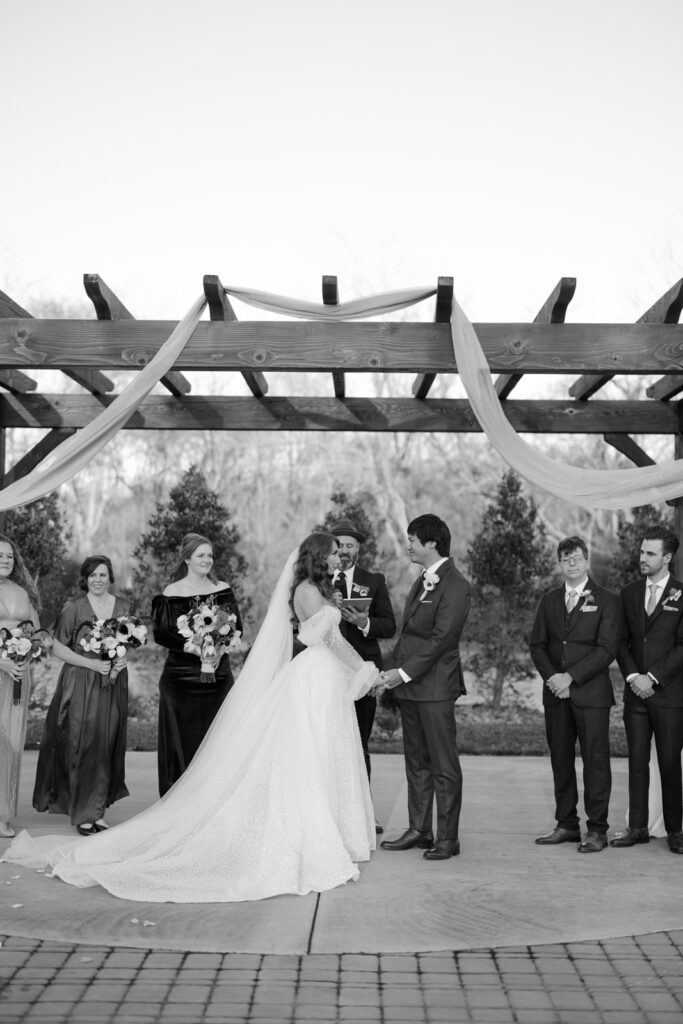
(361,591)
(429,580)
(587,601)
(671,597)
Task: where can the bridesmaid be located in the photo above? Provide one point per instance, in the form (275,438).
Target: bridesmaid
(81,761)
(187,706)
(18,601)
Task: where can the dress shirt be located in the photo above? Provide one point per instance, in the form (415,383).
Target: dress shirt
(661,586)
(577,589)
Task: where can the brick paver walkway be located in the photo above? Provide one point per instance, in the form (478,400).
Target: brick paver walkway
(635,980)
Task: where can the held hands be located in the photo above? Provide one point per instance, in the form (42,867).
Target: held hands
(559,684)
(387,681)
(642,686)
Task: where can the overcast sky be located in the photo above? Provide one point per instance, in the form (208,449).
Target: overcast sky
(385,141)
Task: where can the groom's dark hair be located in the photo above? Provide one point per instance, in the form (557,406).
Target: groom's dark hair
(430,527)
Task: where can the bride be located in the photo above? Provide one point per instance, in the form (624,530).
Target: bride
(276,799)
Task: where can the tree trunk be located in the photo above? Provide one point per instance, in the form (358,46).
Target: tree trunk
(498,680)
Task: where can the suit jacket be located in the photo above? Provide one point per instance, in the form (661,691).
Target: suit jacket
(428,649)
(584,644)
(653,643)
(380,613)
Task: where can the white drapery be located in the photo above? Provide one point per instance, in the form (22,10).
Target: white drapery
(592,488)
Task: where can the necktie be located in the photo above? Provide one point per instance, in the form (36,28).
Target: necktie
(652,598)
(572,598)
(340,583)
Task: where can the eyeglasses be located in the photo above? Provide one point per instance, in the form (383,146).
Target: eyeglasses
(570,559)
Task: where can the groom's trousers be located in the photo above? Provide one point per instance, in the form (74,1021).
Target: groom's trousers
(641,720)
(432,765)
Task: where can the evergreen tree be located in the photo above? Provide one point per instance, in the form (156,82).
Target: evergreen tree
(509,564)
(191,508)
(355,509)
(626,562)
(42,535)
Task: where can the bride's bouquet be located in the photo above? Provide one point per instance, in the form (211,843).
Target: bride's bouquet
(111,638)
(210,631)
(21,644)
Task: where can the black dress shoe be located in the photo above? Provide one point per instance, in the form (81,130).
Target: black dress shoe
(88,828)
(409,839)
(593,842)
(443,849)
(630,836)
(675,841)
(559,835)
(378,829)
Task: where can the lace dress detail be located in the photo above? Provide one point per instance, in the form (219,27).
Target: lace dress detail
(322,629)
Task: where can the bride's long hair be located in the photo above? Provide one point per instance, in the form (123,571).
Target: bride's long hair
(312,565)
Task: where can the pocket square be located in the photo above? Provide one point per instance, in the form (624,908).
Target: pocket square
(590,608)
(426,602)
(668,608)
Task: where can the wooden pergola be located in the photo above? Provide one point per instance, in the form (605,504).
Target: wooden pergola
(84,350)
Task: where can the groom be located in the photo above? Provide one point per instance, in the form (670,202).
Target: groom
(426,671)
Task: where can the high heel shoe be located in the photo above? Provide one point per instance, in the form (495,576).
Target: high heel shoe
(6,830)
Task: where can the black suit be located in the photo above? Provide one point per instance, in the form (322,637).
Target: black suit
(382,625)
(428,651)
(654,644)
(582,643)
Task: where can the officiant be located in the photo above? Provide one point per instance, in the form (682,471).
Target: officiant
(367,616)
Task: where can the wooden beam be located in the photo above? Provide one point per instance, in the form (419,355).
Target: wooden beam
(220,309)
(108,306)
(221,412)
(91,380)
(392,347)
(628,447)
(14,380)
(36,455)
(331,298)
(665,388)
(553,311)
(17,382)
(666,310)
(442,315)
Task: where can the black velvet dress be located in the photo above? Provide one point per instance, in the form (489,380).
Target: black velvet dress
(187,706)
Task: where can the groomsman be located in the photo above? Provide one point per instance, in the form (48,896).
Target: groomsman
(574,639)
(426,671)
(362,628)
(651,660)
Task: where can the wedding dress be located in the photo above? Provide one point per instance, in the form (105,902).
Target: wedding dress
(276,800)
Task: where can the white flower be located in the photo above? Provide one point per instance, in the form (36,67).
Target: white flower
(429,580)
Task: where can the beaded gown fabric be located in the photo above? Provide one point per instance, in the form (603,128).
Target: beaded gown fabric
(276,800)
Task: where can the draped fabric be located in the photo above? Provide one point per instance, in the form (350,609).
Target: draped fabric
(591,488)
